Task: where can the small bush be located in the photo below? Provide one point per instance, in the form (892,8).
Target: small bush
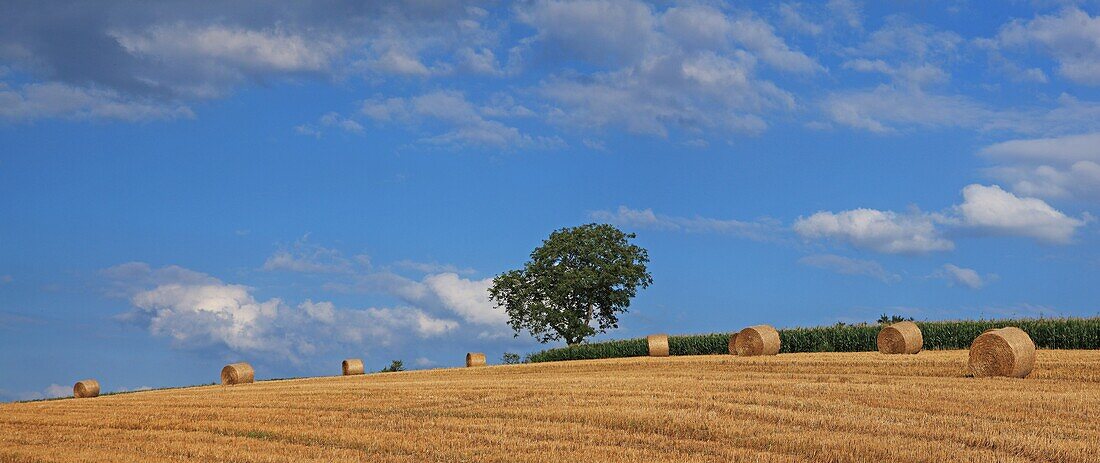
(510,358)
(395,365)
(891,319)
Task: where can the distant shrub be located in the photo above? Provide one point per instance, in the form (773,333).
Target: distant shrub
(510,358)
(395,365)
(891,319)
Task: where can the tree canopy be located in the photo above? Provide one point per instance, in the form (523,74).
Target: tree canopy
(578,276)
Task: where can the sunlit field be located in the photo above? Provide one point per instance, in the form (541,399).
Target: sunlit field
(791,407)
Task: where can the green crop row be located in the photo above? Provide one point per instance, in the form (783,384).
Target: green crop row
(595,350)
(1048,333)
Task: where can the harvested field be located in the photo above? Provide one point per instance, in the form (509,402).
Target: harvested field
(791,407)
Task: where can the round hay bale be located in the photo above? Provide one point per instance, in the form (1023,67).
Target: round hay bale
(733,344)
(658,345)
(900,338)
(757,340)
(352,367)
(86,388)
(1007,351)
(475,359)
(238,373)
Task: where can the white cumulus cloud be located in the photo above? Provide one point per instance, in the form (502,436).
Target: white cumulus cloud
(194,310)
(1053,167)
(993,210)
(880,231)
(985,210)
(467,298)
(1071,37)
(648,71)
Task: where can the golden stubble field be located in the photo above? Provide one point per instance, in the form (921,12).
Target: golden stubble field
(798,407)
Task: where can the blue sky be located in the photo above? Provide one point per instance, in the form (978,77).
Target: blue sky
(183,186)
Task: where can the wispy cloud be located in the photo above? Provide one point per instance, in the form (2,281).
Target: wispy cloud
(765,229)
(849,266)
(306,257)
(330,120)
(465,124)
(52,391)
(57,100)
(432,267)
(955,275)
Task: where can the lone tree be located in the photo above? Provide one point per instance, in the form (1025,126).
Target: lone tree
(579,275)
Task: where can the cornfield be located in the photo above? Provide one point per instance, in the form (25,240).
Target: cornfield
(810,407)
(1061,333)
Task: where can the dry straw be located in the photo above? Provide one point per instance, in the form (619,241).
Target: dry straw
(733,343)
(900,338)
(352,367)
(238,373)
(757,340)
(475,359)
(658,345)
(86,388)
(1002,352)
